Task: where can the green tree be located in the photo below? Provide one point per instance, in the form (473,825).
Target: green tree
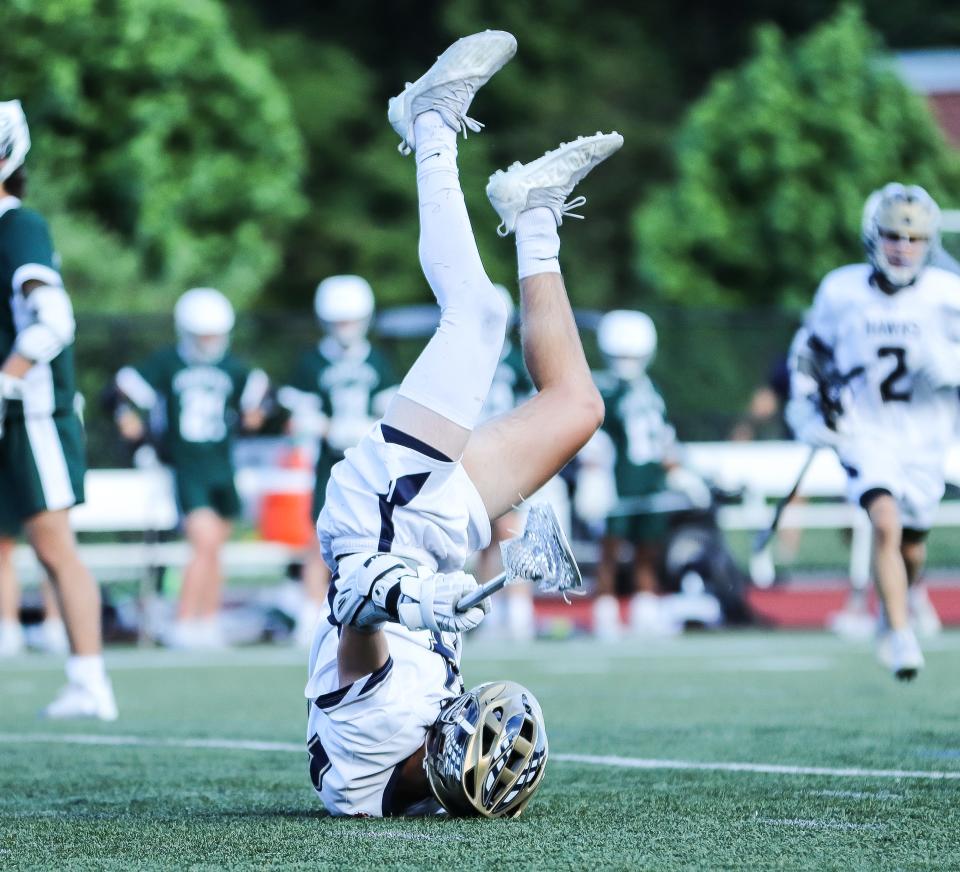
(164,154)
(774,163)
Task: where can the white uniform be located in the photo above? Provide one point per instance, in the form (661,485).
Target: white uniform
(358,735)
(390,493)
(896,426)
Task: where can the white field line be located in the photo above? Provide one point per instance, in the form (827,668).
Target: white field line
(857,794)
(585,759)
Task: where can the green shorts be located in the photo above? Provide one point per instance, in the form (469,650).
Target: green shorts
(42,465)
(196,490)
(639,481)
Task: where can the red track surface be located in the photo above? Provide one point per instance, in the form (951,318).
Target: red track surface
(801,605)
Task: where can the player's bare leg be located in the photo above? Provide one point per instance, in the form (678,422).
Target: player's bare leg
(606,606)
(889,569)
(88,692)
(79,597)
(11,632)
(512,456)
(897,648)
(201,592)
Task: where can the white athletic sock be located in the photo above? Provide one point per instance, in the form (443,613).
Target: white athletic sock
(538,243)
(87,671)
(453,374)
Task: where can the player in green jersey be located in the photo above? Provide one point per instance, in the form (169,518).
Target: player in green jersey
(42,460)
(336,392)
(190,397)
(643,446)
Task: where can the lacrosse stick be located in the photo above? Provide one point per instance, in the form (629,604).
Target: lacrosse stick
(764,536)
(542,555)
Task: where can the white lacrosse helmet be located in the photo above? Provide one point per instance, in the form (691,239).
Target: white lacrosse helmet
(628,340)
(14,138)
(344,307)
(901,230)
(204,319)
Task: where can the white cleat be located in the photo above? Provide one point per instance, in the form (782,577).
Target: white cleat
(80,701)
(900,652)
(606,618)
(450,85)
(548,180)
(11,638)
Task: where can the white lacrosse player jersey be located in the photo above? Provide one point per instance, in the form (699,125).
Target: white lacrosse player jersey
(882,342)
(359,735)
(395,494)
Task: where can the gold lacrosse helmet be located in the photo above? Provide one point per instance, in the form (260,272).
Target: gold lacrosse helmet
(487,751)
(901,230)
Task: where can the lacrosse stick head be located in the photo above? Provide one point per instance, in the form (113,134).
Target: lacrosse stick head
(542,554)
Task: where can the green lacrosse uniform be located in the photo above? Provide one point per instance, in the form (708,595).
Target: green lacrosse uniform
(511,383)
(42,450)
(193,409)
(636,422)
(345,383)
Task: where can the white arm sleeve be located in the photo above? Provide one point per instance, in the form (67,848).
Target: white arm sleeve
(50,326)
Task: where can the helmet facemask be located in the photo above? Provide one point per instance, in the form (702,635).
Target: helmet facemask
(901,230)
(487,751)
(14,138)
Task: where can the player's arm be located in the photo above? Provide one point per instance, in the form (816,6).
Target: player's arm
(253,399)
(138,392)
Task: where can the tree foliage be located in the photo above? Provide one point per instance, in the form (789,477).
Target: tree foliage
(774,163)
(164,154)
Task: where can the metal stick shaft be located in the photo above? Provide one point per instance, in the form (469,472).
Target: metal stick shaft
(481,593)
(764,536)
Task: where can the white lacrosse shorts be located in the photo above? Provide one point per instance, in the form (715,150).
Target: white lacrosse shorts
(915,479)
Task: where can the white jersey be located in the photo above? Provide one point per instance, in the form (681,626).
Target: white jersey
(887,338)
(360,734)
(395,494)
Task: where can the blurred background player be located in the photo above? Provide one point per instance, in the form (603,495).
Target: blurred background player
(337,391)
(193,394)
(513,611)
(638,450)
(888,331)
(42,462)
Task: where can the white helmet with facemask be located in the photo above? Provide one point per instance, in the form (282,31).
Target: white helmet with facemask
(901,231)
(344,307)
(14,138)
(628,341)
(204,319)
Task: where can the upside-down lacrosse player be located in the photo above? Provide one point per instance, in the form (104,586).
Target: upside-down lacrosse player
(390,730)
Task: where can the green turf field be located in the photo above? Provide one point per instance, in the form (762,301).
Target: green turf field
(170,785)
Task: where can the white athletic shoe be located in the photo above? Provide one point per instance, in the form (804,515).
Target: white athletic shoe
(49,636)
(548,180)
(900,652)
(11,638)
(606,618)
(80,701)
(449,86)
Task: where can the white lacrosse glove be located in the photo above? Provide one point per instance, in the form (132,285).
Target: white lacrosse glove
(373,589)
(10,389)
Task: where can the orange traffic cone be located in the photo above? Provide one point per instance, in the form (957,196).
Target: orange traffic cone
(285,513)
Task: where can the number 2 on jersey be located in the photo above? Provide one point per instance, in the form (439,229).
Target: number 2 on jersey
(889,390)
